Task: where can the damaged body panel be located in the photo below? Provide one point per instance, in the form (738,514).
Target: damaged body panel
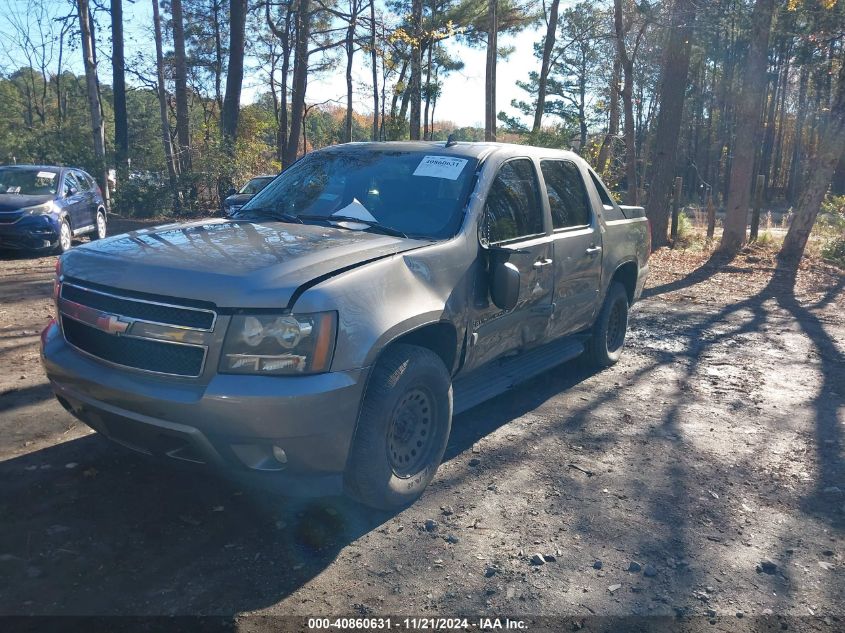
(336,310)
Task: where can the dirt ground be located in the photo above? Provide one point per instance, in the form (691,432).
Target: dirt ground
(703,475)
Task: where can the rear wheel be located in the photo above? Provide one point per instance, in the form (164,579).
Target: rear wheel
(100,224)
(404,426)
(608,335)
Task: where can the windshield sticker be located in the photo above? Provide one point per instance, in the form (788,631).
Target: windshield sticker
(356,210)
(440,167)
(49,175)
(14,189)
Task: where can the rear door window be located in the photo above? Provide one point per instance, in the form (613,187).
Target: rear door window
(83,180)
(568,198)
(513,210)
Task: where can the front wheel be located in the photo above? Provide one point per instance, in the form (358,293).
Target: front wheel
(608,334)
(403,429)
(65,240)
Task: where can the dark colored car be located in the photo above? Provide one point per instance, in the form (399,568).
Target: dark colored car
(236,200)
(45,207)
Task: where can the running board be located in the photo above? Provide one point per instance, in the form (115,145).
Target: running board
(503,374)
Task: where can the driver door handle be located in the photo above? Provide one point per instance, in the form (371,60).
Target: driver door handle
(593,250)
(542,262)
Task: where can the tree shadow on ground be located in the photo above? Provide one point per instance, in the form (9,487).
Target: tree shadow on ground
(90,529)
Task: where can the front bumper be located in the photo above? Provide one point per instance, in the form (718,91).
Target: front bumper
(232,423)
(28,233)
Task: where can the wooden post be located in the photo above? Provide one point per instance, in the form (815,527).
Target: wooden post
(676,207)
(711,214)
(758,202)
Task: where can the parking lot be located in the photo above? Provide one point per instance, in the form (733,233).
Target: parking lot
(702,475)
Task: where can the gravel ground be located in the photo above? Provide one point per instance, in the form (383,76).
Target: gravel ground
(702,475)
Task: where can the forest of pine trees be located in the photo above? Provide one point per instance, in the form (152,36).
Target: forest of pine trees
(715,91)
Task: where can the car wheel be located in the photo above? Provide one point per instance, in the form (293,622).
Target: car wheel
(608,335)
(65,240)
(403,428)
(101,227)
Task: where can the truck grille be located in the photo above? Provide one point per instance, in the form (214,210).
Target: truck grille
(137,353)
(153,312)
(135,333)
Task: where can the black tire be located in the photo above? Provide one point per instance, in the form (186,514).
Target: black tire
(608,334)
(100,225)
(63,245)
(407,408)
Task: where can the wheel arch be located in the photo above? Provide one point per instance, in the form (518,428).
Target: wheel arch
(441,337)
(626,273)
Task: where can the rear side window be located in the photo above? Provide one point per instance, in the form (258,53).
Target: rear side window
(568,199)
(83,180)
(603,195)
(513,206)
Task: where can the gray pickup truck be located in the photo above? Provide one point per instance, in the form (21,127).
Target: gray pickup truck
(322,339)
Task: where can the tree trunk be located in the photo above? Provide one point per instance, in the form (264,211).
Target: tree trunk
(172,167)
(95,108)
(235,76)
(820,174)
(374,62)
(672,89)
(490,71)
(218,52)
(180,79)
(284,37)
(627,95)
(299,83)
(121,125)
(416,69)
(748,116)
(426,126)
(795,170)
(613,119)
(548,46)
(350,54)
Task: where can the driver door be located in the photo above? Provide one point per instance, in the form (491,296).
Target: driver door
(515,228)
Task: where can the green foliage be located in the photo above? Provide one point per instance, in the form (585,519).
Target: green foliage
(143,196)
(834,251)
(831,223)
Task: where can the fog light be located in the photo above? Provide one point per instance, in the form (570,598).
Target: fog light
(279,454)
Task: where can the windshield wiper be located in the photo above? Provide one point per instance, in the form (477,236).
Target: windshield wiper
(375,225)
(264,212)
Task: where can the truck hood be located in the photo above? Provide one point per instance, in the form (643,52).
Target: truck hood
(232,264)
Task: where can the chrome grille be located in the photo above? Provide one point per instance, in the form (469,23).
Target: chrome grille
(140,334)
(140,309)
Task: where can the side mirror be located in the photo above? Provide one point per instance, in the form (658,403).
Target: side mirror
(504,285)
(72,191)
(231,192)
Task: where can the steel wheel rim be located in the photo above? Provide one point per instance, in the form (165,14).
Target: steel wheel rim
(615,328)
(101,225)
(64,236)
(412,432)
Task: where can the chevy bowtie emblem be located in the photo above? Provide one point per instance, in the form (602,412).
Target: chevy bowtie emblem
(112,324)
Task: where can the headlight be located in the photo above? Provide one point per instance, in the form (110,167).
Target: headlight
(47,207)
(291,344)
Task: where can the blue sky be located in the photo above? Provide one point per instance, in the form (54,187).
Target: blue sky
(462,100)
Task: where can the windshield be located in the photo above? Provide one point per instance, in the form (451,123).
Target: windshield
(28,182)
(255,185)
(418,194)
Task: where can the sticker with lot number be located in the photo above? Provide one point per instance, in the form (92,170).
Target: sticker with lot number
(440,167)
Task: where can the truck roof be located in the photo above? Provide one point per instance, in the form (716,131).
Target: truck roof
(476,150)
